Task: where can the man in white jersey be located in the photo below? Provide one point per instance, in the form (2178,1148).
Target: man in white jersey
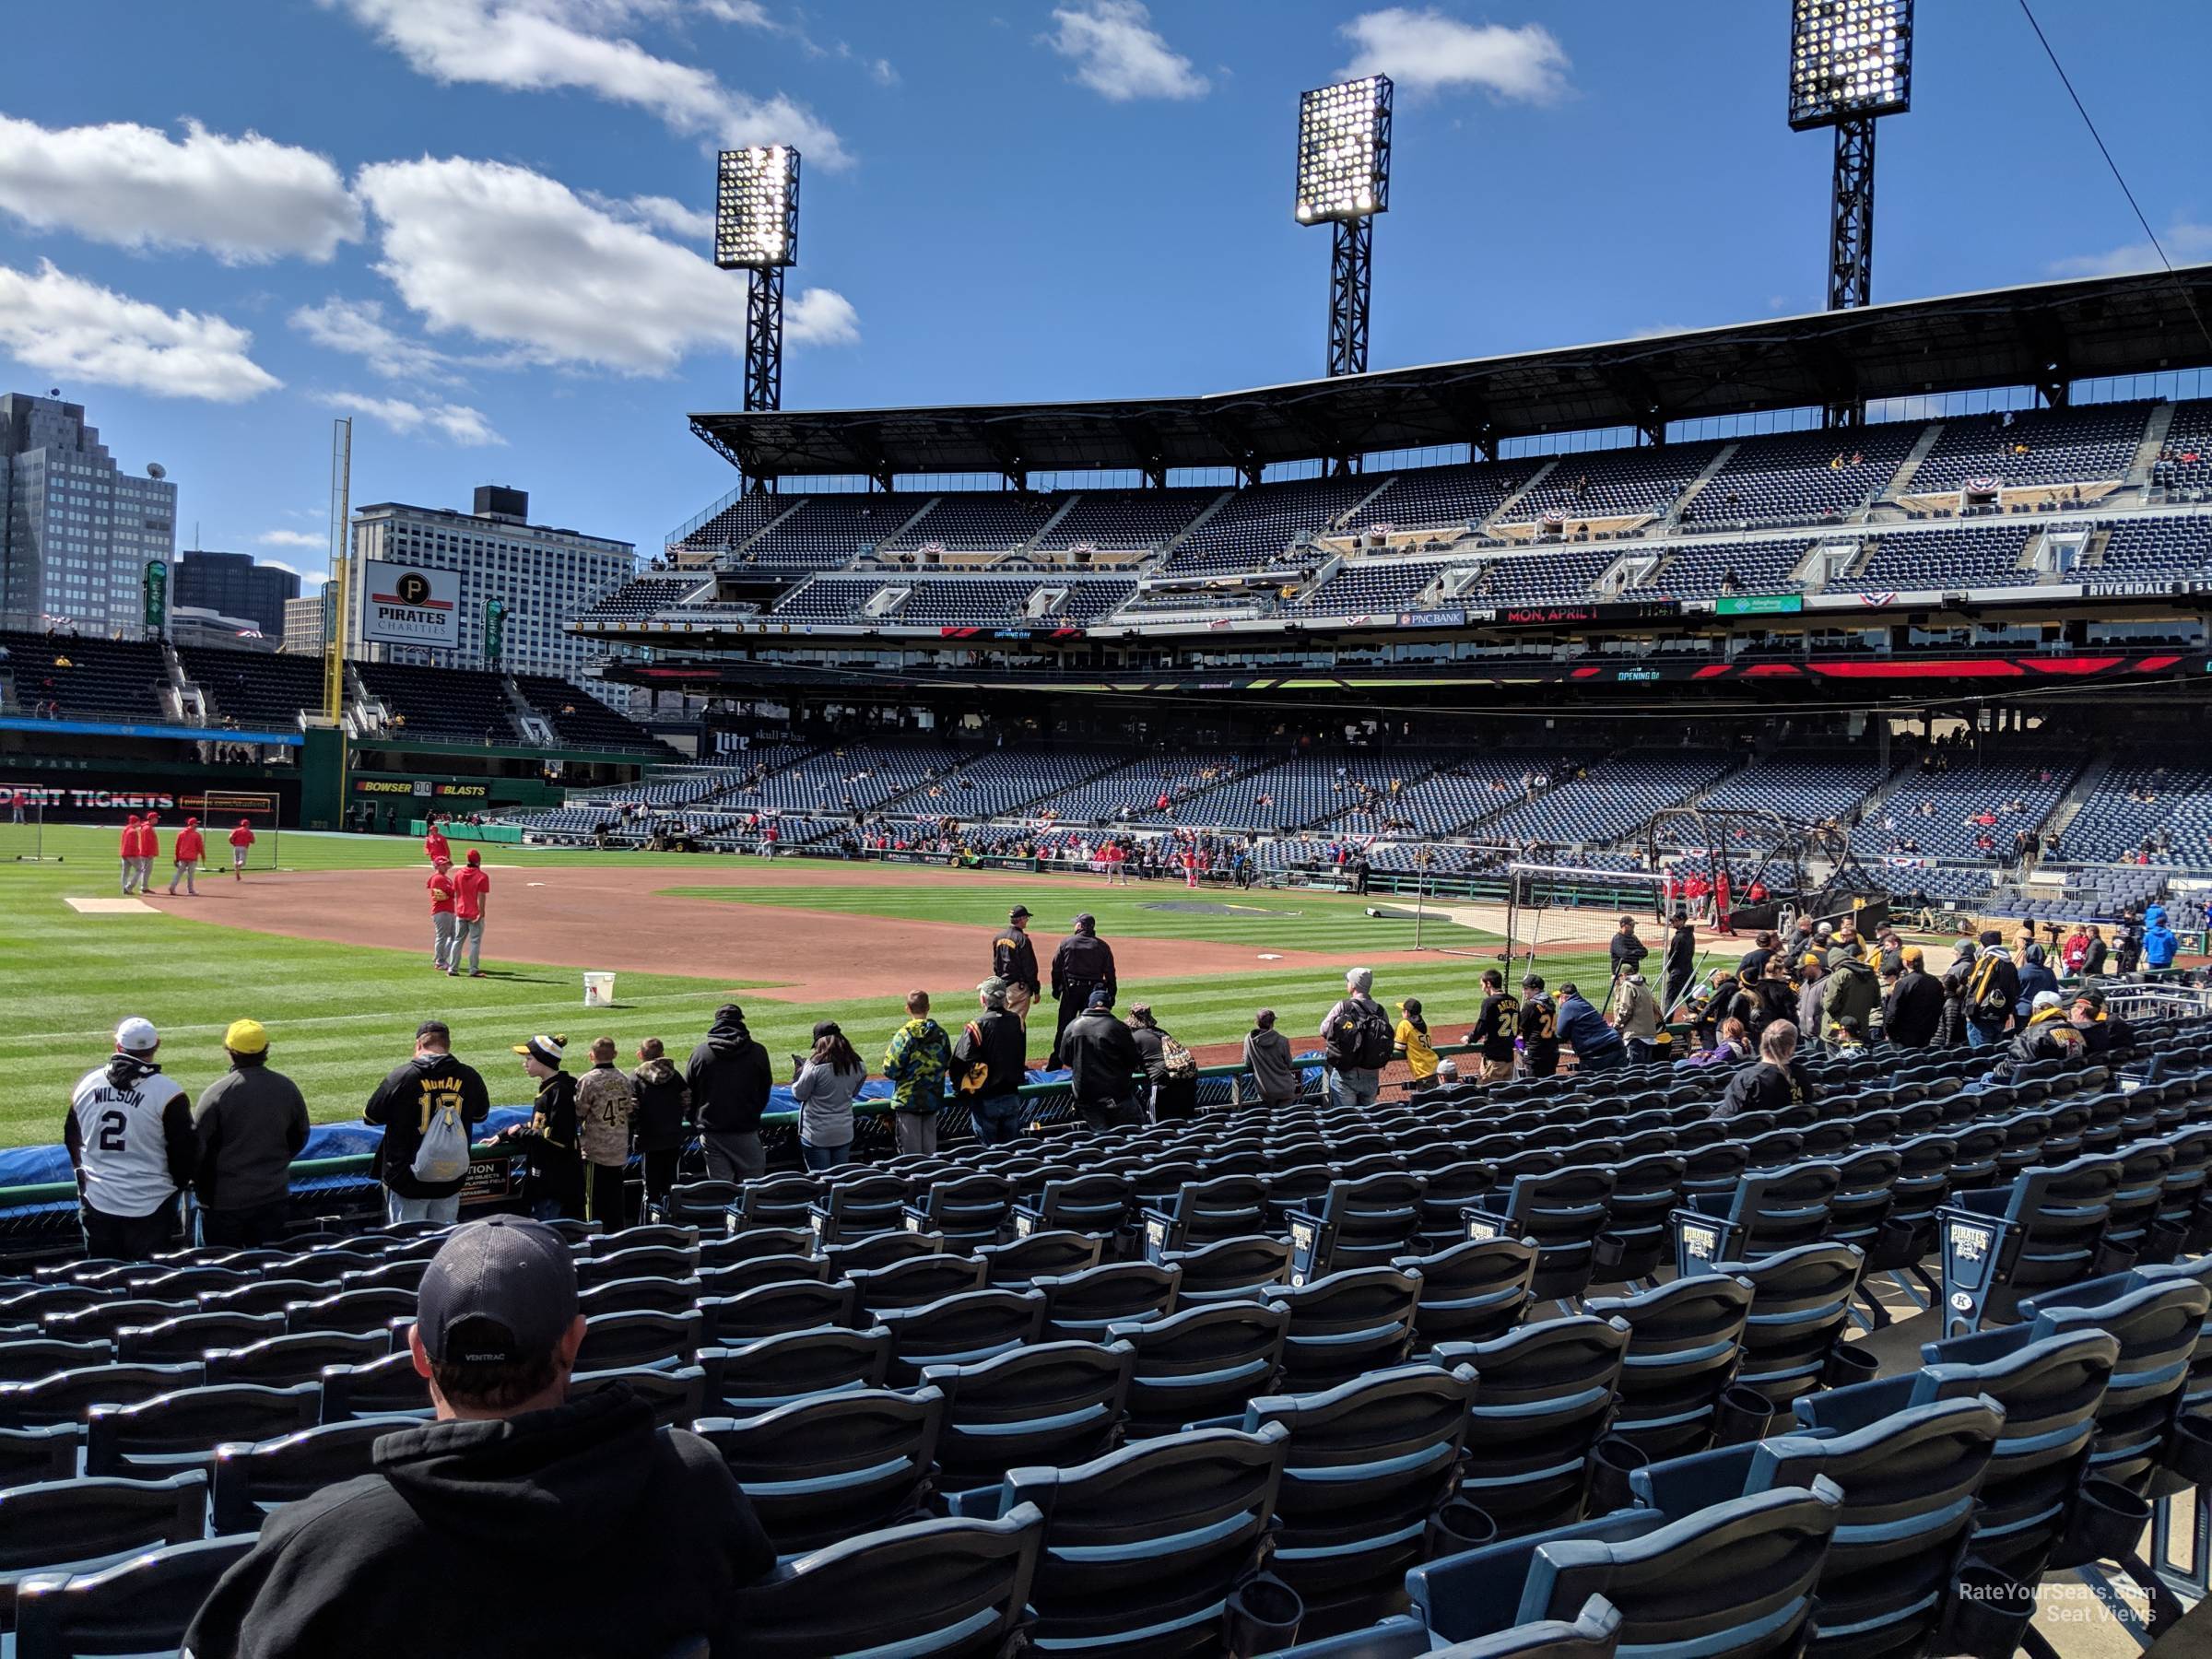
(129,1135)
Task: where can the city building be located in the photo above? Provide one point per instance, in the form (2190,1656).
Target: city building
(307,622)
(234,586)
(77,533)
(203,625)
(457,567)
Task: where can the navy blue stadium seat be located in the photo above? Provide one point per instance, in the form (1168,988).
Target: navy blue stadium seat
(142,1604)
(822,1469)
(2043,1230)
(1051,1403)
(1472,1290)
(252,1477)
(1685,1343)
(83,1524)
(1544,1401)
(960,1329)
(1563,1211)
(171,1431)
(768,1371)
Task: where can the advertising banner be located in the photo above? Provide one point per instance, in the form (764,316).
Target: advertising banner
(405,604)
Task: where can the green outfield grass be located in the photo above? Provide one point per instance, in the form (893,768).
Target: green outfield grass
(341,1016)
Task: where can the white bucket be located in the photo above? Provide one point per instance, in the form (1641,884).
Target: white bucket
(598,990)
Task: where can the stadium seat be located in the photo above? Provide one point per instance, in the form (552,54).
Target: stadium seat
(191,1336)
(390,1386)
(1054,1254)
(655,1235)
(1593,1635)
(886,1249)
(1053,1403)
(1472,1290)
(676,1393)
(1370,1464)
(949,1589)
(65,1396)
(823,1469)
(640,1296)
(142,1604)
(106,1320)
(1079,1306)
(1204,1212)
(613,1340)
(1800,1306)
(31,1455)
(768,1309)
(1563,1211)
(1733,1580)
(1909,1484)
(855,1207)
(756,1242)
(768,1371)
(1544,1401)
(1770,1210)
(1083,1204)
(969,1210)
(1358,1320)
(181,1429)
(644,1261)
(1145,1549)
(2043,1230)
(915,1282)
(1684,1345)
(732,1278)
(1228,1269)
(252,1477)
(960,1329)
(81,1526)
(280,1360)
(1201,1364)
(349,1311)
(25,1358)
(1359,1223)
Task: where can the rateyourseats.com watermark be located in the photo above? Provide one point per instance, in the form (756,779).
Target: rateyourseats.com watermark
(2055,1602)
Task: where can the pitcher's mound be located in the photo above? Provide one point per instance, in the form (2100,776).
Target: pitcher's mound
(112,907)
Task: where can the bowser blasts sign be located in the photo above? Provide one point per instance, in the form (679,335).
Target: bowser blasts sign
(404,604)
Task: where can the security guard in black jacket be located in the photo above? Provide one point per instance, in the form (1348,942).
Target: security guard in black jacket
(1014,959)
(1083,963)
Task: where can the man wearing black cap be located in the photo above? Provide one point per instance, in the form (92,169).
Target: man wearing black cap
(605,1534)
(1014,962)
(1102,1063)
(431,1091)
(1084,963)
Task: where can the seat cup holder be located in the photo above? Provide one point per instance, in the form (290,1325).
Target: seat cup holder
(1989,1613)
(1612,1461)
(1741,1416)
(1263,1614)
(2107,1523)
(1459,1526)
(1848,1363)
(2188,1452)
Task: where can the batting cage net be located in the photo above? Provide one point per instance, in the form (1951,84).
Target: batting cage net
(22,827)
(1559,905)
(221,812)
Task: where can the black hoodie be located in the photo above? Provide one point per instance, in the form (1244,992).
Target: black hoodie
(729,1076)
(582,1530)
(662,1121)
(403,1103)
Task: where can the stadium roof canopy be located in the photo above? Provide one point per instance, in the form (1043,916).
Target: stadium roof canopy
(2045,335)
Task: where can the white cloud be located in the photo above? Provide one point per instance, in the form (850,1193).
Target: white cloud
(457,423)
(658,213)
(1426,51)
(546,45)
(71,329)
(882,72)
(357,328)
(469,245)
(245,199)
(1119,55)
(288,538)
(821,317)
(2185,243)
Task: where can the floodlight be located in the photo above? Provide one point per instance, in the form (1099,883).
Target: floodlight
(1849,59)
(757,209)
(1344,150)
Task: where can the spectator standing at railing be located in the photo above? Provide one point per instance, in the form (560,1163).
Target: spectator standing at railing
(661,1123)
(728,1075)
(250,1123)
(916,1063)
(604,1106)
(1598,1046)
(1274,1072)
(130,1140)
(995,1041)
(829,1079)
(431,1086)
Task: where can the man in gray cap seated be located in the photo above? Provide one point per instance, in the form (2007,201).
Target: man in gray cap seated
(519,1521)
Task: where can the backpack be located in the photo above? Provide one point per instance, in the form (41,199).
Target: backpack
(1177,1061)
(443,1154)
(1985,995)
(1365,1038)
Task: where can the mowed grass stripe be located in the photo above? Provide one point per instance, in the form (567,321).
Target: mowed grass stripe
(342,1015)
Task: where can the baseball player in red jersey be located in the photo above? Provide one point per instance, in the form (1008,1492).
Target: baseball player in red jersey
(149,848)
(128,849)
(434,845)
(241,844)
(443,925)
(191,848)
(472,891)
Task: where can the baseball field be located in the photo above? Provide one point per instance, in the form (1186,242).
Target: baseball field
(331,951)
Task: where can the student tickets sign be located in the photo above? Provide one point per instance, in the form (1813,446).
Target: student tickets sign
(405,604)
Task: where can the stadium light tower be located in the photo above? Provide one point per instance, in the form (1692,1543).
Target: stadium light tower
(757,229)
(1851,63)
(1344,181)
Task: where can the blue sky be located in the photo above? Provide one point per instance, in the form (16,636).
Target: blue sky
(477,224)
